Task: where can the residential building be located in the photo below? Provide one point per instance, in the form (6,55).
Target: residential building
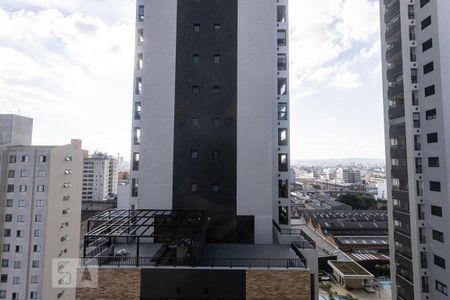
(211,82)
(15,130)
(100,177)
(40,192)
(348,175)
(416,70)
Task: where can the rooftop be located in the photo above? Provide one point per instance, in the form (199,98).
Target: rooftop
(350,269)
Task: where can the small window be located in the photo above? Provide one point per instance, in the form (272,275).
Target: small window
(194,154)
(423,3)
(194,187)
(4,278)
(9,202)
(137,135)
(20,218)
(439,261)
(35,263)
(41,173)
(432,138)
(6,232)
(427,45)
(25,158)
(283,215)
(435,186)
(440,287)
(281,37)
(416,120)
(418,165)
(195,89)
(19,249)
(282,162)
(12,159)
(135,161)
(282,86)
(11,174)
(140,61)
(10,188)
(430,114)
(5,263)
(19,233)
(436,211)
(216,89)
(215,188)
(216,58)
(38,218)
(282,111)
(8,218)
(37,233)
(33,295)
(217,26)
(137,110)
(283,188)
(23,188)
(140,37)
(417,144)
(196,27)
(6,247)
(23,173)
(42,158)
(433,162)
(425,22)
(17,264)
(282,137)
(216,122)
(430,90)
(39,203)
(429,67)
(138,90)
(281,13)
(194,122)
(141,13)
(438,236)
(37,248)
(215,154)
(195,58)
(281,62)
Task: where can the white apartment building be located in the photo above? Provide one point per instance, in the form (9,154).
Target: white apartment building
(100,177)
(40,192)
(348,175)
(415,36)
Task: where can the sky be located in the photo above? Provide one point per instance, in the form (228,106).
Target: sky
(68,64)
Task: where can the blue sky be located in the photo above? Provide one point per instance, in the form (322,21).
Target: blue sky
(69,65)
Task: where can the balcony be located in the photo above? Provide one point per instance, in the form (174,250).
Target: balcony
(395,90)
(398,151)
(393,30)
(393,49)
(392,10)
(394,68)
(399,172)
(396,112)
(397,131)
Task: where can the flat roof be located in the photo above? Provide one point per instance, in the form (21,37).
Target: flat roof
(350,269)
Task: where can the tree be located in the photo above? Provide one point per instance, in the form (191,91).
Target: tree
(358,202)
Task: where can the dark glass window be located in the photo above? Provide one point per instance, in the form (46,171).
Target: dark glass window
(216,89)
(430,90)
(425,22)
(438,236)
(282,61)
(217,26)
(194,122)
(282,162)
(439,261)
(194,187)
(423,3)
(427,45)
(435,186)
(216,58)
(440,287)
(282,111)
(283,188)
(216,122)
(429,67)
(195,58)
(433,162)
(430,114)
(141,13)
(432,138)
(12,159)
(436,211)
(215,154)
(194,154)
(195,89)
(215,187)
(196,27)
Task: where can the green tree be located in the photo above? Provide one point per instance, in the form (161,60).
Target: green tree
(358,201)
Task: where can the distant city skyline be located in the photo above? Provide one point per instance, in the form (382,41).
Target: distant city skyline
(68,65)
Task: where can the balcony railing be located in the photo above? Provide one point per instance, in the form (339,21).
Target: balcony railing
(396,112)
(392,10)
(393,29)
(395,90)
(394,69)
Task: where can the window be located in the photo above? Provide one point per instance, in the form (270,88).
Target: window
(195,58)
(435,186)
(38,218)
(9,202)
(37,248)
(216,122)
(11,174)
(19,249)
(140,61)
(12,159)
(194,122)
(23,188)
(19,233)
(215,188)
(39,203)
(17,264)
(134,187)
(413,75)
(37,233)
(439,261)
(20,218)
(215,154)
(429,67)
(33,295)
(5,263)
(281,13)
(440,287)
(6,247)
(10,188)
(140,13)
(137,110)
(136,157)
(417,145)
(438,236)
(415,98)
(41,173)
(430,114)
(194,187)
(140,37)
(40,188)
(281,37)
(7,232)
(282,86)
(282,137)
(195,90)
(433,162)
(282,162)
(8,218)
(217,26)
(427,45)
(283,188)
(25,158)
(436,211)
(282,111)
(425,22)
(430,90)
(196,27)
(423,3)
(2,294)
(281,62)
(216,58)
(432,138)
(283,215)
(35,263)
(34,279)
(194,154)
(42,158)
(22,203)
(137,135)
(138,88)
(4,278)
(416,120)
(216,89)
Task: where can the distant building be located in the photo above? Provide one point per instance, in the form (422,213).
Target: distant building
(40,191)
(15,130)
(100,177)
(348,175)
